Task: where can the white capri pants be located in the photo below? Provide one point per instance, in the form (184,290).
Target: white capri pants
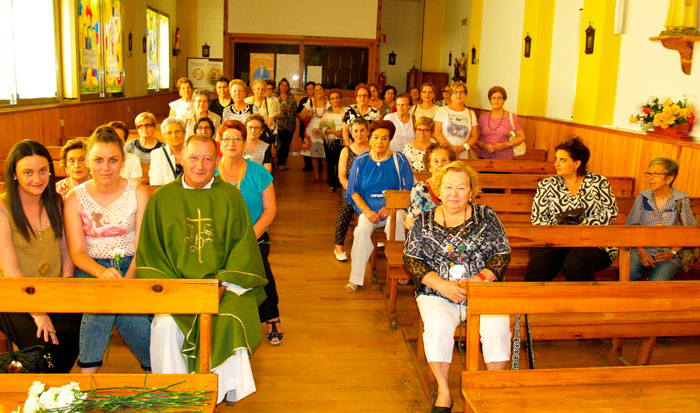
(362,245)
(441,317)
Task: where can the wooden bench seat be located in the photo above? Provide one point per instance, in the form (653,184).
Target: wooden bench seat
(512,166)
(532,155)
(512,210)
(637,306)
(126,296)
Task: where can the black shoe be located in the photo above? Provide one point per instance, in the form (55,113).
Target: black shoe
(442,409)
(305,169)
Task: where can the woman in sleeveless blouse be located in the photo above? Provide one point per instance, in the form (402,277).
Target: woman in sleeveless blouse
(257,150)
(103,217)
(360,132)
(31,232)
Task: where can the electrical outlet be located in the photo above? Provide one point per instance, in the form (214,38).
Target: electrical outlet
(63,123)
(128,109)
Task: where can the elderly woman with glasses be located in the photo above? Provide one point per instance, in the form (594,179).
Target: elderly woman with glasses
(239,109)
(661,204)
(166,162)
(456,124)
(200,109)
(255,184)
(143,146)
(499,129)
(415,150)
(257,150)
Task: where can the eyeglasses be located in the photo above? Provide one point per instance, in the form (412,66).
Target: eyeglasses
(654,174)
(254,128)
(423,130)
(459,92)
(228,141)
(177,132)
(362,95)
(203,128)
(445,90)
(146,125)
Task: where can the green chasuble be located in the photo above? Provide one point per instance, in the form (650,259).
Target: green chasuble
(206,233)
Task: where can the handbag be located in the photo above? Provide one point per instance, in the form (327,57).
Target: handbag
(687,256)
(521,148)
(571,217)
(33,359)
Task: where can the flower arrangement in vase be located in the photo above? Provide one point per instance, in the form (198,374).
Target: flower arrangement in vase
(668,118)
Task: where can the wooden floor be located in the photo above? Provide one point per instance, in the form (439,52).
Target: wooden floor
(339,353)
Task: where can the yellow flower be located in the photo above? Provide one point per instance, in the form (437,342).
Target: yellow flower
(663,125)
(657,120)
(668,102)
(683,113)
(689,109)
(633,119)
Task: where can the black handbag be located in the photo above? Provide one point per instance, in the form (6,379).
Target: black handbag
(33,359)
(573,216)
(687,256)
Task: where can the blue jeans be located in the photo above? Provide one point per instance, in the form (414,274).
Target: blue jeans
(662,271)
(96,329)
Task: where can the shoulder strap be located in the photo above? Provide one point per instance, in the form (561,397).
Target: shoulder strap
(679,203)
(170,163)
(398,172)
(9,333)
(510,117)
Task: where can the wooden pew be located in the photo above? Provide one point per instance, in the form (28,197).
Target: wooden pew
(527,182)
(127,296)
(624,389)
(532,155)
(512,166)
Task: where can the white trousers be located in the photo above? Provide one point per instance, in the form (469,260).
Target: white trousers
(362,245)
(441,317)
(235,375)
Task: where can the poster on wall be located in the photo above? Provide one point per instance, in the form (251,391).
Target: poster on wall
(288,68)
(114,58)
(89,45)
(262,66)
(204,72)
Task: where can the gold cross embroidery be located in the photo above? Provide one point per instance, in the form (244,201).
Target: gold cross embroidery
(198,237)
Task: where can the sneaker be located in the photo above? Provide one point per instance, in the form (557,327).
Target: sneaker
(341,256)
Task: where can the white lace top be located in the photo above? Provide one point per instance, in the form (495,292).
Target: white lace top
(108,229)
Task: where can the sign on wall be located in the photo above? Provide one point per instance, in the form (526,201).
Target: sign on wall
(262,66)
(204,72)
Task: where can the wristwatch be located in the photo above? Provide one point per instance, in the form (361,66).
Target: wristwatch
(466,146)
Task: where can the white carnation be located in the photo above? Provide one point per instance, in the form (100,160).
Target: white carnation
(31,405)
(36,389)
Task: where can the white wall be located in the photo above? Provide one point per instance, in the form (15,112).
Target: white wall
(501,46)
(401,21)
(330,18)
(210,26)
(455,37)
(564,64)
(649,70)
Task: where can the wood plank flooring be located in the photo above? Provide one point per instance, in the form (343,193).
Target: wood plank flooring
(339,354)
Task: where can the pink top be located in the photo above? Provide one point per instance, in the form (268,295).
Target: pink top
(108,229)
(494,131)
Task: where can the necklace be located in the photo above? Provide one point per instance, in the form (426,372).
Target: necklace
(44,267)
(499,122)
(323,109)
(241,173)
(457,262)
(379,161)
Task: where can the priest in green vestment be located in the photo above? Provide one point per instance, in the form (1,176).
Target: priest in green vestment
(198,227)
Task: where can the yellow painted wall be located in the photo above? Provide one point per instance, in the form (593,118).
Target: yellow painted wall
(534,70)
(433,17)
(475,41)
(596,83)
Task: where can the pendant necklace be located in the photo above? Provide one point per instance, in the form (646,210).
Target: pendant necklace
(379,161)
(44,267)
(456,271)
(323,110)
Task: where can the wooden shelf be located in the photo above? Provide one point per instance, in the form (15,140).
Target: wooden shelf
(682,44)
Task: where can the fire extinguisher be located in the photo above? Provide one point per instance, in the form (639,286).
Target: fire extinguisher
(381,81)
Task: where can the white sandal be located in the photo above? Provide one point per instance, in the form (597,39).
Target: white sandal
(350,287)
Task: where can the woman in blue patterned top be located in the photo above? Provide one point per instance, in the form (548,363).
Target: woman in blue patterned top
(574,196)
(454,243)
(661,204)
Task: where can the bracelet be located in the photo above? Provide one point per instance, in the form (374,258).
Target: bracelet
(482,276)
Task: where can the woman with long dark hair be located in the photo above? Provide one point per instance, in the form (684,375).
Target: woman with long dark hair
(31,232)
